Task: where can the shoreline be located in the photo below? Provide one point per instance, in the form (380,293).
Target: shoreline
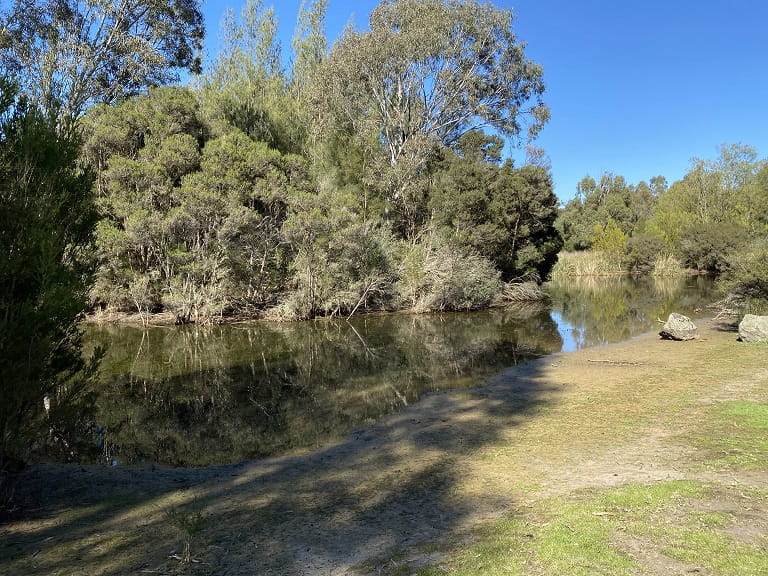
(436,472)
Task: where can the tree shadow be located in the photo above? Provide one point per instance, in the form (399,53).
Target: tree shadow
(387,488)
(726,325)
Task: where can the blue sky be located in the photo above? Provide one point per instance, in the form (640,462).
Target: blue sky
(636,88)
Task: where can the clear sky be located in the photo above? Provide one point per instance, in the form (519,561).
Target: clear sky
(636,87)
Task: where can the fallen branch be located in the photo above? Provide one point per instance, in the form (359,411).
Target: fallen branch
(619,363)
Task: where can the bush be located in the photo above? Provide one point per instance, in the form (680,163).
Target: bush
(747,276)
(46,218)
(709,247)
(643,251)
(441,277)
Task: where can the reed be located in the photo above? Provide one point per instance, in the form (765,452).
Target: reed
(585,263)
(667,265)
(523,292)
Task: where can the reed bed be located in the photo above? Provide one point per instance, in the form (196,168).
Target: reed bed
(586,263)
(667,265)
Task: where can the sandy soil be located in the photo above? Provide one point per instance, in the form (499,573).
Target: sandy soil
(389,493)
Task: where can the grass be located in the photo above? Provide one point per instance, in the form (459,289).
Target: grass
(597,263)
(734,436)
(670,527)
(667,265)
(607,532)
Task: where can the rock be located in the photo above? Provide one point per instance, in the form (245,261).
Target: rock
(679,327)
(753,328)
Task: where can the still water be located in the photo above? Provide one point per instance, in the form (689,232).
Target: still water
(191,396)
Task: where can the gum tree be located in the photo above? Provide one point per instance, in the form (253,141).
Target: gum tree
(425,73)
(70,54)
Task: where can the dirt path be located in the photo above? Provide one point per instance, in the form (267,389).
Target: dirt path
(432,473)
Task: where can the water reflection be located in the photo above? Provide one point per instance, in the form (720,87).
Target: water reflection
(595,311)
(186,396)
(202,396)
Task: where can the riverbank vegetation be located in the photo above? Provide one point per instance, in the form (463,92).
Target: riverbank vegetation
(363,176)
(367,176)
(348,180)
(714,220)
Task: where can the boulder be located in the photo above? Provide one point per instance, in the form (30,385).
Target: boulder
(679,327)
(753,328)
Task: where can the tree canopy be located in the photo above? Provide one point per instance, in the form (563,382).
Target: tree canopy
(71,54)
(427,72)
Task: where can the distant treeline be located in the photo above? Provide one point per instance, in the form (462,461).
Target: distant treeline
(713,220)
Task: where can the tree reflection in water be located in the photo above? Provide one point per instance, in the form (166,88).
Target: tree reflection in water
(190,396)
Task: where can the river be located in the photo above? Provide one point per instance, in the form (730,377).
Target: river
(188,396)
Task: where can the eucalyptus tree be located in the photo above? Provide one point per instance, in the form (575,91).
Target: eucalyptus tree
(425,73)
(608,201)
(70,54)
(719,207)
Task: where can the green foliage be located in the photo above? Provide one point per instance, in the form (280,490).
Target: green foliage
(71,55)
(504,214)
(309,45)
(629,206)
(248,88)
(609,239)
(643,251)
(709,246)
(710,212)
(291,190)
(425,73)
(46,220)
(192,218)
(747,274)
(342,260)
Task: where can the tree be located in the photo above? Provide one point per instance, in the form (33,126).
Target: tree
(310,46)
(46,220)
(503,213)
(611,240)
(428,71)
(612,199)
(191,216)
(715,208)
(71,54)
(247,86)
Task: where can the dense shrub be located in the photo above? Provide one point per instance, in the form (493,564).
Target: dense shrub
(747,276)
(708,247)
(643,251)
(442,277)
(46,220)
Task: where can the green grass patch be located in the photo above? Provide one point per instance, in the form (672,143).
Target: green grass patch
(735,436)
(588,535)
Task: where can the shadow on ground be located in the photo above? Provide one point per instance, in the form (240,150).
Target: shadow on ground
(387,488)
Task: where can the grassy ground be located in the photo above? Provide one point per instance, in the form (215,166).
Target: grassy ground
(645,457)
